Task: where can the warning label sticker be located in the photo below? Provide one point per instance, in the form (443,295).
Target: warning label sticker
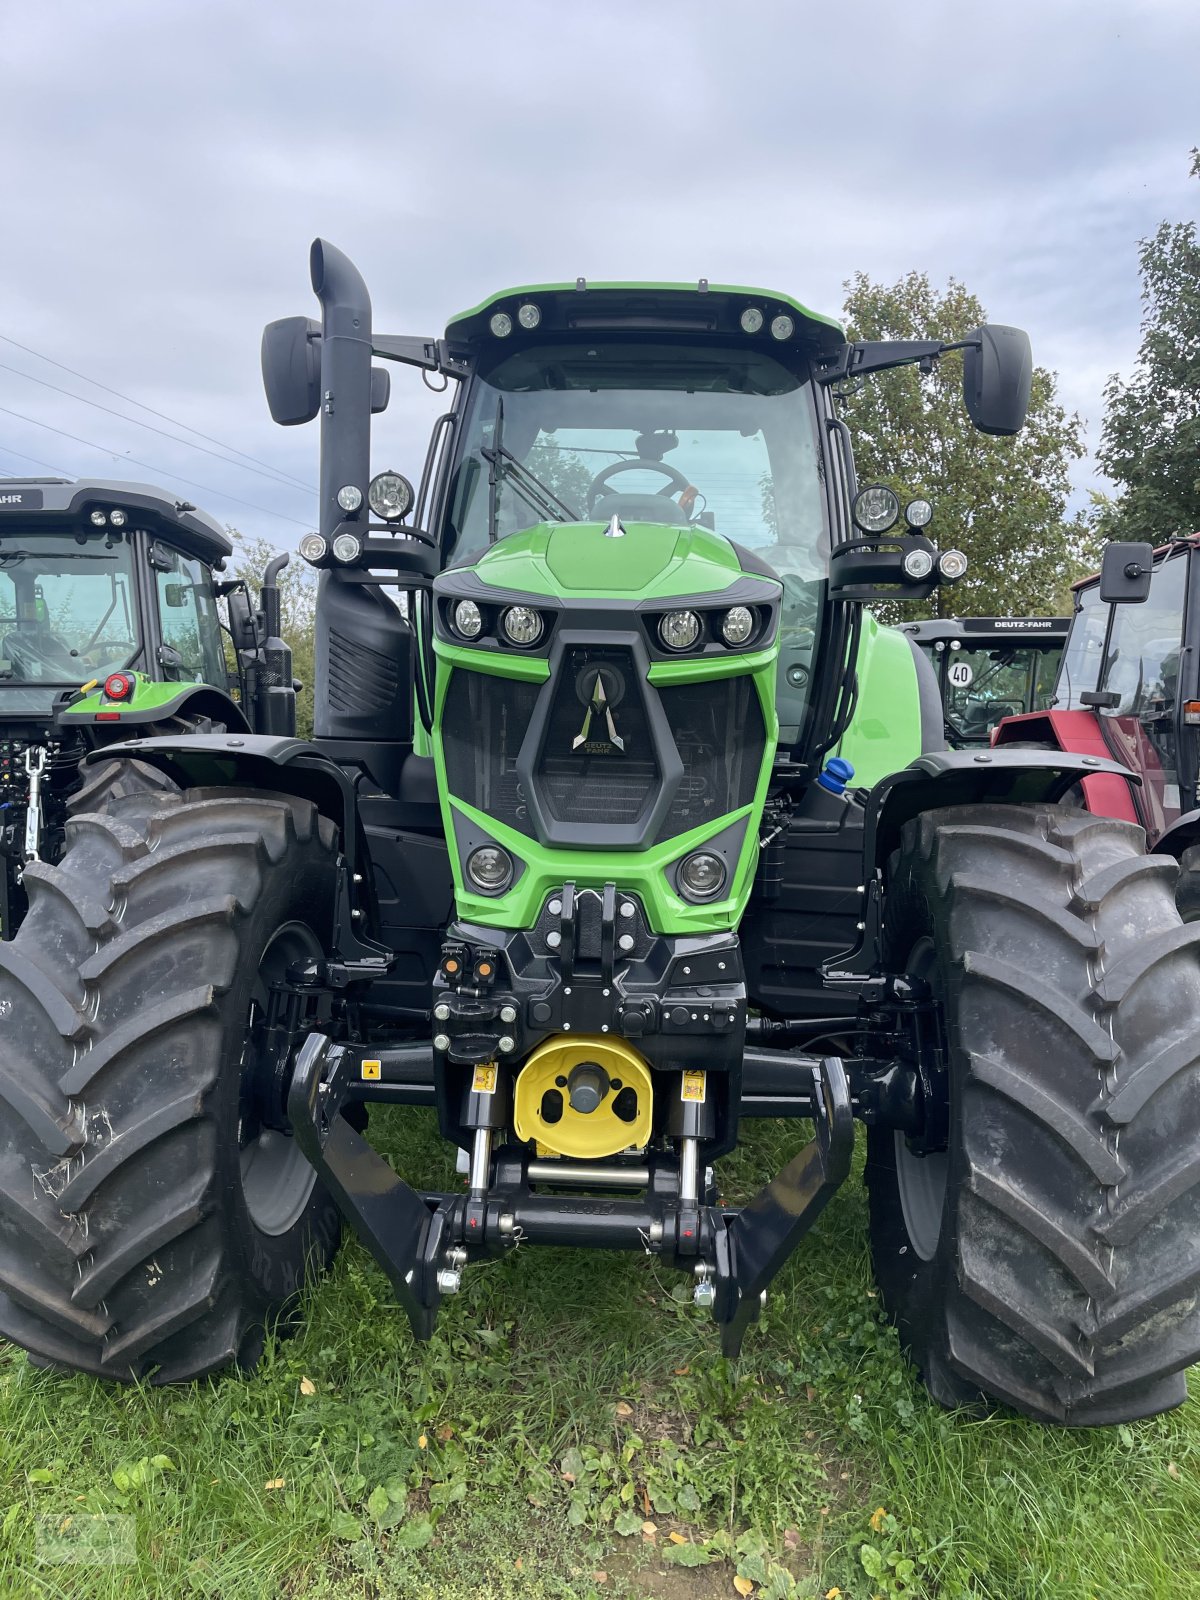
(372,1071)
(694,1087)
(484,1081)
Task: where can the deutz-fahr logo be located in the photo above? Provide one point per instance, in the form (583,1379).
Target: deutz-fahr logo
(598,707)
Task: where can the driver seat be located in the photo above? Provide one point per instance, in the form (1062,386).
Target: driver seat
(640,508)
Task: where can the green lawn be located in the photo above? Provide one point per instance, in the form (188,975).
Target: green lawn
(569,1426)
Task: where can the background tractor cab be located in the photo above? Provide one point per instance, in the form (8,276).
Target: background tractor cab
(989,668)
(1129,688)
(109,625)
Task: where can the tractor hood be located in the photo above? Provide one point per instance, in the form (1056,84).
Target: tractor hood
(649,560)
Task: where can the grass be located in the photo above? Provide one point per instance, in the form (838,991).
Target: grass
(571,1434)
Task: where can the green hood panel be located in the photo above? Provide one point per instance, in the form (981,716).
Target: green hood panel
(885,731)
(654,561)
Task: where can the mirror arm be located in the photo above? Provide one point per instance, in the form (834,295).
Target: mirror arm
(879,355)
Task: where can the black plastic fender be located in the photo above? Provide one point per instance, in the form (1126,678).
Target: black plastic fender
(1002,776)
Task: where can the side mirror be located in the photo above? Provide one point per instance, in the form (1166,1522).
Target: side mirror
(997,377)
(1125,574)
(381,388)
(174,596)
(291,369)
(241,621)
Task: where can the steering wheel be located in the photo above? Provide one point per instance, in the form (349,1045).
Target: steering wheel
(600,482)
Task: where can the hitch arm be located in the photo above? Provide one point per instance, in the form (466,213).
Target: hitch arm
(752,1245)
(404,1235)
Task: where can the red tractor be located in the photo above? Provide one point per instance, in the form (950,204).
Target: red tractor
(1128,690)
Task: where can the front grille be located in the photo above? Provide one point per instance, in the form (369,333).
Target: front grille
(484,722)
(614,775)
(720,734)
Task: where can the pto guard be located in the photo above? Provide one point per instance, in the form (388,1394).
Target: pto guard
(422,1240)
(583,1097)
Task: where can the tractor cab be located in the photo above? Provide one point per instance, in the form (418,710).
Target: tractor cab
(109,625)
(1129,684)
(989,668)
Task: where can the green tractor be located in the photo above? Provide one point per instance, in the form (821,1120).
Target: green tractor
(576,857)
(109,624)
(989,668)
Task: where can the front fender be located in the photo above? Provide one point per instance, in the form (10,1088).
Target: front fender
(251,761)
(1001,775)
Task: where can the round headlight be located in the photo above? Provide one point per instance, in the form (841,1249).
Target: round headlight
(751,319)
(522,625)
(918,513)
(782,327)
(349,497)
(347,547)
(390,496)
(529,315)
(468,619)
(313,548)
(500,324)
(490,868)
(701,875)
(952,564)
(918,564)
(876,509)
(117,517)
(679,630)
(737,625)
(99,520)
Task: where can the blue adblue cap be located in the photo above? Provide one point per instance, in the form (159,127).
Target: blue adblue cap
(836,774)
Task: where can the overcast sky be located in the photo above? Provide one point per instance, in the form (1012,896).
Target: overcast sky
(166,165)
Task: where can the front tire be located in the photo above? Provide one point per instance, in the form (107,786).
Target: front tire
(1049,1258)
(137,1236)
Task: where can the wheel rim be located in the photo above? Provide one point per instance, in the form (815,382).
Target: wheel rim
(922,1180)
(277,1178)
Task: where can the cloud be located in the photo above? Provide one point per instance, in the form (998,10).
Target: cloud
(168,166)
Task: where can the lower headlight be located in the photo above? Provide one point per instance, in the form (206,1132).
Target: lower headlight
(489,868)
(918,564)
(701,875)
(313,548)
(347,547)
(522,625)
(952,564)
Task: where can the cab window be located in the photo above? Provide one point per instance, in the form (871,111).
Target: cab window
(187,613)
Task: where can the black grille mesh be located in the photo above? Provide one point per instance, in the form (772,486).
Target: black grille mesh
(720,734)
(484,721)
(360,679)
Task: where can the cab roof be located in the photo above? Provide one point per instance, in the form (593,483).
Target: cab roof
(62,502)
(653,309)
(984,630)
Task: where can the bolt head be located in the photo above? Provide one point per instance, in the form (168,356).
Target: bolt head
(507,1044)
(508,1013)
(442,1012)
(441,1041)
(704,1296)
(449,1280)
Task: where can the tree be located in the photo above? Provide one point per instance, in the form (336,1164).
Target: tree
(297,605)
(1150,440)
(1002,501)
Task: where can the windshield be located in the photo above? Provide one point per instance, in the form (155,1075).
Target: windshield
(656,433)
(982,684)
(66,607)
(1085,646)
